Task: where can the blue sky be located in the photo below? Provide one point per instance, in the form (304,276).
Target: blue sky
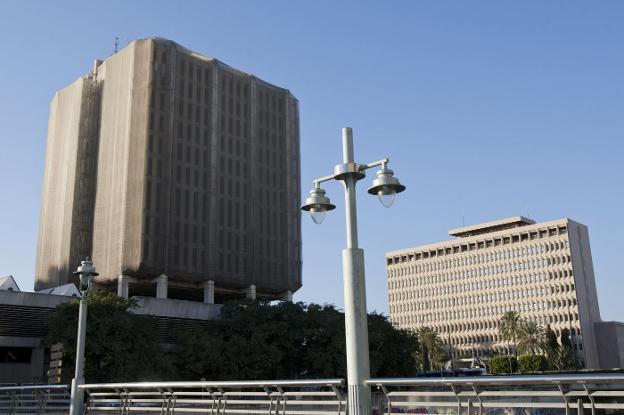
(487,109)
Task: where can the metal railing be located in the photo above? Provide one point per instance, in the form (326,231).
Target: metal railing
(485,395)
(556,394)
(34,399)
(314,397)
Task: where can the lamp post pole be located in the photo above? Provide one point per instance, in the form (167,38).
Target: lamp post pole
(385,186)
(85,271)
(356,316)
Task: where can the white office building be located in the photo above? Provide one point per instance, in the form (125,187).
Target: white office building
(462,287)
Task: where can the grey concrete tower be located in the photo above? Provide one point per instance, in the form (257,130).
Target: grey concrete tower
(66,222)
(197,179)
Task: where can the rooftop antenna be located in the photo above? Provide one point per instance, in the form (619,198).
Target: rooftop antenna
(116,44)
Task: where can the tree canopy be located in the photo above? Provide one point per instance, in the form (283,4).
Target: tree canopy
(255,340)
(118,346)
(532,338)
(509,328)
(432,354)
(251,340)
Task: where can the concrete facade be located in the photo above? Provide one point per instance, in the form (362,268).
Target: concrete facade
(23,328)
(462,287)
(610,335)
(195,178)
(24,317)
(68,194)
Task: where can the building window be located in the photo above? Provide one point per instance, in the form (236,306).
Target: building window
(15,354)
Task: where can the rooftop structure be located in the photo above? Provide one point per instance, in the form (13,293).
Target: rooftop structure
(489,227)
(69,290)
(8,284)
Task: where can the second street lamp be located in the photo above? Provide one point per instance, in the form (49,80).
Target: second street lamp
(85,272)
(385,186)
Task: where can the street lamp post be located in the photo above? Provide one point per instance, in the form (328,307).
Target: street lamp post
(85,271)
(385,186)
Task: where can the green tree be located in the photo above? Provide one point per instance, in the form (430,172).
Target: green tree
(509,328)
(559,354)
(502,365)
(255,340)
(432,354)
(386,343)
(531,338)
(565,357)
(119,345)
(532,363)
(552,344)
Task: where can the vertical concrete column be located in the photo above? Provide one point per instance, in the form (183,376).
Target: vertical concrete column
(286,296)
(209,291)
(251,292)
(162,282)
(122,286)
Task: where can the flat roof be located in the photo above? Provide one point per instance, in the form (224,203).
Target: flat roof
(492,226)
(479,237)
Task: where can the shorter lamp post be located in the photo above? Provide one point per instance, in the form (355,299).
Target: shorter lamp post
(385,186)
(85,271)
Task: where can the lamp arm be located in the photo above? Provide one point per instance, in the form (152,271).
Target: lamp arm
(382,162)
(317,182)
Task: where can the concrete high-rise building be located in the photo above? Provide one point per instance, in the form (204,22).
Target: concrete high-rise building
(462,287)
(178,174)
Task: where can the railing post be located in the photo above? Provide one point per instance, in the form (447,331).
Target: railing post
(579,402)
(591,399)
(224,399)
(459,411)
(565,398)
(385,391)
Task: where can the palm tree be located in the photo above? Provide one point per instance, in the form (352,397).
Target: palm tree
(532,337)
(509,328)
(432,349)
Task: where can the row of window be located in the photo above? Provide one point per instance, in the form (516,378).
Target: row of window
(488,257)
(483,298)
(492,310)
(440,284)
(410,288)
(472,246)
(492,270)
(457,319)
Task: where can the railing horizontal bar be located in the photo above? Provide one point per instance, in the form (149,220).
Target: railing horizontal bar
(607,406)
(32,387)
(502,380)
(520,393)
(228,410)
(606,393)
(229,401)
(308,412)
(418,393)
(449,404)
(226,384)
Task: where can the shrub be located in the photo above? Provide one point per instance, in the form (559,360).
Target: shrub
(503,364)
(532,363)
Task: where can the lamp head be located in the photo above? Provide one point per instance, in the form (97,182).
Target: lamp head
(386,186)
(86,271)
(317,204)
